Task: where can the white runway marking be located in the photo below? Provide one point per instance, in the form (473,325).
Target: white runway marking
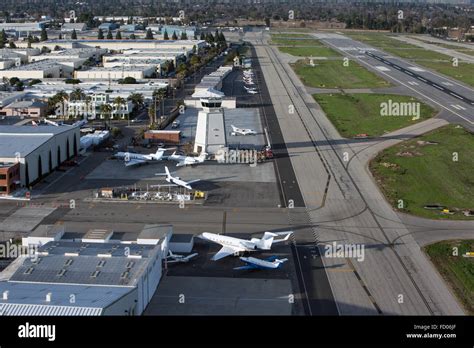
(382,68)
(415,68)
(458,107)
(447,83)
(413,83)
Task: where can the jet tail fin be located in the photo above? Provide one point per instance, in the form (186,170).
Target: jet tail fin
(167,171)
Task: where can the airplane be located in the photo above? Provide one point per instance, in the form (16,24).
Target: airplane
(252,263)
(242,131)
(179,258)
(252,92)
(250,88)
(234,246)
(187,160)
(132,159)
(176,181)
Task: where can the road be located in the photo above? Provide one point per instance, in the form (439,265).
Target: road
(395,277)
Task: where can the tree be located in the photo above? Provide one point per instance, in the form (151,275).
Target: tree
(44,35)
(105,111)
(12,44)
(77,94)
(132,37)
(160,95)
(118,103)
(128,81)
(109,35)
(165,35)
(136,99)
(60,98)
(60,36)
(184,36)
(174,37)
(74,35)
(118,36)
(203,36)
(152,113)
(149,34)
(100,34)
(3,38)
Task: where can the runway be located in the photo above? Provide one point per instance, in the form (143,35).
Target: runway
(395,277)
(435,89)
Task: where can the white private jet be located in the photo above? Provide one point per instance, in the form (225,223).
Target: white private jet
(252,92)
(187,160)
(234,246)
(252,263)
(179,258)
(242,131)
(176,181)
(132,159)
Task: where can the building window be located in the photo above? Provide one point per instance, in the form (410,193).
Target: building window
(3,176)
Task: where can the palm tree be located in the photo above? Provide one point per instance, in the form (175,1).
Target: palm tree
(87,101)
(136,99)
(119,102)
(105,111)
(61,97)
(160,95)
(77,94)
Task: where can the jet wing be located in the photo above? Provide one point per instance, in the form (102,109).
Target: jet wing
(181,164)
(225,251)
(134,162)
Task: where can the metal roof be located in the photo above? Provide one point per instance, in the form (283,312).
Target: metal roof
(61,262)
(26,139)
(30,298)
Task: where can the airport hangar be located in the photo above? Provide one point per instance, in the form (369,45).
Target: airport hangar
(37,150)
(90,276)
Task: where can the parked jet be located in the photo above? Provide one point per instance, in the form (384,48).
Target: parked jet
(176,181)
(252,263)
(234,246)
(250,88)
(132,159)
(242,131)
(187,160)
(179,258)
(252,92)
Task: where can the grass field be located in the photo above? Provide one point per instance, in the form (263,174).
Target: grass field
(316,51)
(354,114)
(422,172)
(458,271)
(294,40)
(332,74)
(441,63)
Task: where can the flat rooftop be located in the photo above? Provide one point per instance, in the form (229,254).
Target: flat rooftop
(112,264)
(38,65)
(29,298)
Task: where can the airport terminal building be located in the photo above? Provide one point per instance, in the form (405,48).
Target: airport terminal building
(37,149)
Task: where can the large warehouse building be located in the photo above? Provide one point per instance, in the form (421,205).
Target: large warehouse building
(96,275)
(38,149)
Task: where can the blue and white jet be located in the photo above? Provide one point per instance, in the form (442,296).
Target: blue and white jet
(252,263)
